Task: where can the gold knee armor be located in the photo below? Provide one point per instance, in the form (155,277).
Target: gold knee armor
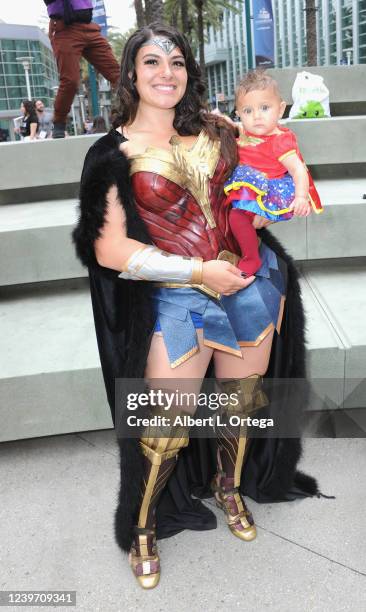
(232,444)
(249,392)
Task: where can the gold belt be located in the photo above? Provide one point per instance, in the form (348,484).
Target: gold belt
(222,256)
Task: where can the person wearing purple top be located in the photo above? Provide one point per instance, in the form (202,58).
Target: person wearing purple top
(73,35)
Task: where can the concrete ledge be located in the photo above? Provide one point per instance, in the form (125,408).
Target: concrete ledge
(325,352)
(50,378)
(340,291)
(338,140)
(53,403)
(47,162)
(35,242)
(35,238)
(345,83)
(336,233)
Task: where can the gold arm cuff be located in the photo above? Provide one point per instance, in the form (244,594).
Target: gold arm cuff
(196,278)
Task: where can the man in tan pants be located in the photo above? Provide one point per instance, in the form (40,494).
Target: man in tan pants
(73,35)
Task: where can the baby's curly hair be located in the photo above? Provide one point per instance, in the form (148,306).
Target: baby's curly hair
(254,80)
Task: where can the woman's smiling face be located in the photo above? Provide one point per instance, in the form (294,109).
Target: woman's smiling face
(161,78)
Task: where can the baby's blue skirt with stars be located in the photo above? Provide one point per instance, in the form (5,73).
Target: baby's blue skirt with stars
(271,195)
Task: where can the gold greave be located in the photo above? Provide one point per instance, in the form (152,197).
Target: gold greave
(160,458)
(247,396)
(160,454)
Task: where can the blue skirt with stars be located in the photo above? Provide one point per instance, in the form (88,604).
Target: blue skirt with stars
(269,198)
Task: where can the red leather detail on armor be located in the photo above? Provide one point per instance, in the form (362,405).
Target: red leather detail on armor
(174,219)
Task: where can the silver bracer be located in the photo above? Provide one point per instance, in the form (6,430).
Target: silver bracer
(152,264)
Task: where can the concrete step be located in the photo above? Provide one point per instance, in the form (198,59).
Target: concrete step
(35,242)
(31,167)
(50,378)
(332,141)
(35,238)
(339,292)
(337,232)
(58,163)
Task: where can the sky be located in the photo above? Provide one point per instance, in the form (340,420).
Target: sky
(33,12)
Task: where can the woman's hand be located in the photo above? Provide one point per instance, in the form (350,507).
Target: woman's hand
(260,222)
(223,277)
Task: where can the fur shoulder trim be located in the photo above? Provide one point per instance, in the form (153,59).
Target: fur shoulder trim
(105,166)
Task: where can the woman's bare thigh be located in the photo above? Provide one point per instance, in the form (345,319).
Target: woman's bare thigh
(186,378)
(255,360)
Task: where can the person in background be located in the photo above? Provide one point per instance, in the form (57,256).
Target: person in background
(4,135)
(29,124)
(88,126)
(73,35)
(44,120)
(99,125)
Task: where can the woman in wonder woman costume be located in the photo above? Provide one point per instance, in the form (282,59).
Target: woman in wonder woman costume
(169,303)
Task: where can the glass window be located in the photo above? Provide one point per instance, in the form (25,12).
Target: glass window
(10,56)
(21,45)
(14,92)
(8,45)
(16,80)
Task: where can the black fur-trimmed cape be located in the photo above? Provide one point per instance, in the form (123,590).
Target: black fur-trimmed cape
(124,323)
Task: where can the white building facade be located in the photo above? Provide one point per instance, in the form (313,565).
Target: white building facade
(341,29)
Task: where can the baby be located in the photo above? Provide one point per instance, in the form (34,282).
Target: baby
(271,179)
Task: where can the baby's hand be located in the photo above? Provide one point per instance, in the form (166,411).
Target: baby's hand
(301,206)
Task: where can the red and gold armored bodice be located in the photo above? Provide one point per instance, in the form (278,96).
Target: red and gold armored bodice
(179,194)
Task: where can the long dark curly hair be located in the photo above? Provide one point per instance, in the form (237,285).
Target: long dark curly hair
(191,113)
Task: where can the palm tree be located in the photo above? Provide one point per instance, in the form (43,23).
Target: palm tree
(195,16)
(186,24)
(117,40)
(311,37)
(200,33)
(154,10)
(140,13)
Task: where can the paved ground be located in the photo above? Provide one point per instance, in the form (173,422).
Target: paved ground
(57,502)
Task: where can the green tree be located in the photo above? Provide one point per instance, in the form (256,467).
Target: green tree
(117,40)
